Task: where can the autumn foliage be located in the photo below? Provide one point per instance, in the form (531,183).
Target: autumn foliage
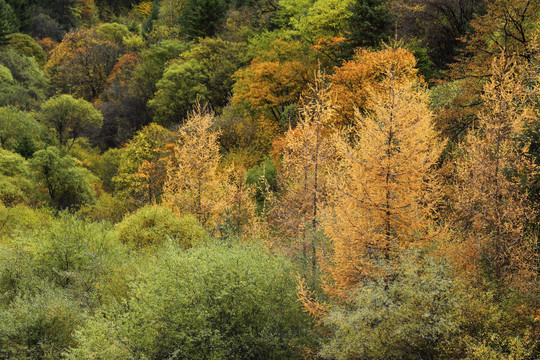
(270,179)
(352,81)
(383,197)
(491,209)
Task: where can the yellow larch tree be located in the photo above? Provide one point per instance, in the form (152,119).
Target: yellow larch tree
(195,183)
(491,210)
(307,155)
(351,82)
(384,198)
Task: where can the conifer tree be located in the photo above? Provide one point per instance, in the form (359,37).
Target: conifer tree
(370,23)
(491,209)
(384,197)
(8,22)
(308,156)
(194,183)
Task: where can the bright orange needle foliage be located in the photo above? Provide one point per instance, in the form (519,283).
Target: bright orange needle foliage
(383,199)
(491,209)
(351,82)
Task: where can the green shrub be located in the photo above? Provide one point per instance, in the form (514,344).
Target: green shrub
(107,208)
(212,302)
(15,184)
(153,224)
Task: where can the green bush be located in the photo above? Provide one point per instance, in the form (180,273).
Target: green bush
(52,275)
(20,221)
(404,316)
(15,184)
(153,224)
(38,324)
(212,302)
(107,208)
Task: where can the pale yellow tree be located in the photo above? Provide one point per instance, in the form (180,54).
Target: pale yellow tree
(384,199)
(195,183)
(307,155)
(491,209)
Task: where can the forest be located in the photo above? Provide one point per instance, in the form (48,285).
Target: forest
(270,179)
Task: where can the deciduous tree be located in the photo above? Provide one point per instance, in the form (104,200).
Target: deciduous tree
(29,86)
(491,209)
(351,81)
(69,118)
(66,184)
(14,124)
(82,62)
(383,199)
(275,79)
(306,158)
(142,169)
(195,185)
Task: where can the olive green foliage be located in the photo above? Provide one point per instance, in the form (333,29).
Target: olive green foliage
(29,86)
(5,76)
(182,86)
(15,125)
(52,274)
(69,118)
(406,316)
(107,168)
(145,146)
(81,256)
(27,46)
(87,155)
(203,73)
(16,185)
(313,20)
(423,311)
(212,302)
(19,221)
(153,224)
(108,208)
(67,184)
(113,31)
(153,63)
(38,322)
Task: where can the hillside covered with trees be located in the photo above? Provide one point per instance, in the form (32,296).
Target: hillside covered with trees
(270,179)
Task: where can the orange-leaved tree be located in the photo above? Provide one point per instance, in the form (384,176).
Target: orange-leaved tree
(275,79)
(351,82)
(384,197)
(490,207)
(307,156)
(195,184)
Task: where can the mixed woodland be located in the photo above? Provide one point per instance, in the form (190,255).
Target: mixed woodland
(270,179)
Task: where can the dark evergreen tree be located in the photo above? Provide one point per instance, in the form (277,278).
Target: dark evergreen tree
(370,23)
(8,22)
(202,17)
(26,146)
(21,8)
